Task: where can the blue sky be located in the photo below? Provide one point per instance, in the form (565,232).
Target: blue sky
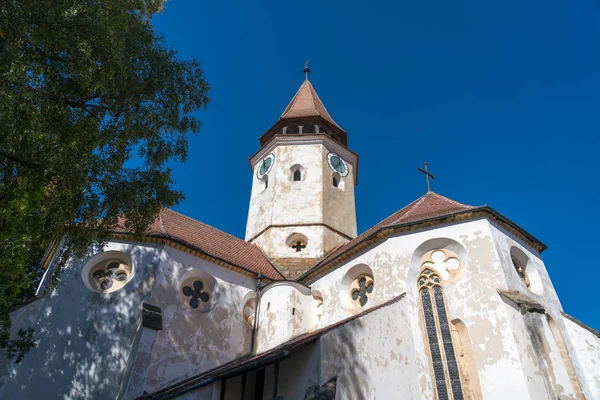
(500,98)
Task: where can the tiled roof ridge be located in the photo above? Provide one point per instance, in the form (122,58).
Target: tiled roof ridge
(398,217)
(313,94)
(453,201)
(413,206)
(389,219)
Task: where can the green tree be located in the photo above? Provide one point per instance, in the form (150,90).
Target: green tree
(94,106)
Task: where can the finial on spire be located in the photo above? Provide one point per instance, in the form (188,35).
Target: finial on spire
(306,69)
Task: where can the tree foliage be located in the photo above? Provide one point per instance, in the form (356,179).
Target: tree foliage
(94,106)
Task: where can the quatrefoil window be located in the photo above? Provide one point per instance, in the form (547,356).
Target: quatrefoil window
(361,288)
(443,262)
(110,273)
(196,294)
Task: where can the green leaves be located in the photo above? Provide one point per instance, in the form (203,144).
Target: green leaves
(93,107)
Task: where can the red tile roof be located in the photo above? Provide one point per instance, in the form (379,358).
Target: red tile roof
(194,234)
(306,103)
(430,205)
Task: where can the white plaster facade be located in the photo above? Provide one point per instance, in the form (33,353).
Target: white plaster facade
(312,206)
(313,339)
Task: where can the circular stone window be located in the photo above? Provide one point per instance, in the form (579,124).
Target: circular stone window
(357,288)
(198,290)
(107,272)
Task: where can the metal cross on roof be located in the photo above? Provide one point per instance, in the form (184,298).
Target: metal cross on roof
(427,176)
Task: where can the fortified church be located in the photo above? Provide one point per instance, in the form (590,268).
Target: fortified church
(440,300)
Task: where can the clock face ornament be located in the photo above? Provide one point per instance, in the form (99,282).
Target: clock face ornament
(337,163)
(265,166)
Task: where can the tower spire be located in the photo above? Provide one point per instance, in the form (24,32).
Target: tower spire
(306,69)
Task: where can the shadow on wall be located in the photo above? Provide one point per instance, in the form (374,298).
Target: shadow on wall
(344,356)
(83,338)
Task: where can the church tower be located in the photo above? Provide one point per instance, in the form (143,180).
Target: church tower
(302,200)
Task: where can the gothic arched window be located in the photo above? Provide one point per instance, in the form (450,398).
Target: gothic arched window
(446,372)
(297,175)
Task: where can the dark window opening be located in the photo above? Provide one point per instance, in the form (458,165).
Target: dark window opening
(297,175)
(259,387)
(335,181)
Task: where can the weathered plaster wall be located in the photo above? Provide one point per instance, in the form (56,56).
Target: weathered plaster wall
(312,200)
(373,357)
(339,210)
(85,338)
(286,310)
(585,354)
(192,341)
(472,297)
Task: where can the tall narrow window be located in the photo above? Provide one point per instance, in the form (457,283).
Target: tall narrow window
(266,181)
(336,179)
(297,175)
(439,338)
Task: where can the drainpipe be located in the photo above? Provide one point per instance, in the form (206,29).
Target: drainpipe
(256,311)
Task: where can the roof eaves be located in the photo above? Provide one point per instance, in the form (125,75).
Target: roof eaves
(250,361)
(386,230)
(197,249)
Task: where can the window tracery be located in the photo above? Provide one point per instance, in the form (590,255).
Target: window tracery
(108,274)
(298,245)
(196,293)
(361,288)
(444,262)
(446,372)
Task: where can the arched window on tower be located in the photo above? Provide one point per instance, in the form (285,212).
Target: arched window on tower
(336,180)
(265,180)
(297,172)
(446,373)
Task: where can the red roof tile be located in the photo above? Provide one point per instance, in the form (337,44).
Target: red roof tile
(213,242)
(430,205)
(306,103)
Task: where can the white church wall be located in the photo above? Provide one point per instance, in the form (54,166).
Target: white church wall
(585,353)
(286,201)
(285,206)
(84,337)
(545,295)
(541,290)
(373,357)
(472,297)
(193,341)
(287,309)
